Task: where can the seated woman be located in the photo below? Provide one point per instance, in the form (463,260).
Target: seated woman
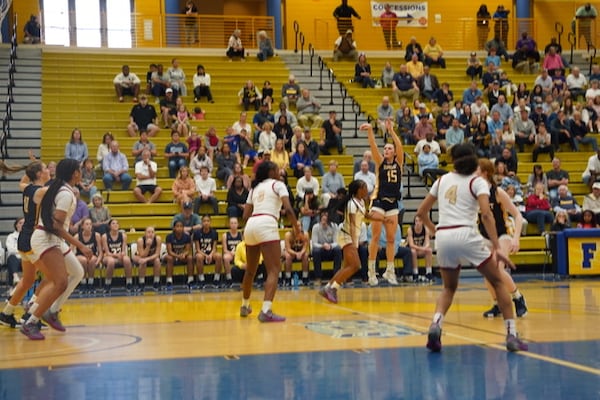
(114,244)
(537,209)
(428,165)
(300,159)
(280,157)
(250,95)
(284,131)
(309,210)
(225,162)
(238,171)
(362,72)
(201,82)
(93,241)
(184,187)
(537,176)
(100,214)
(265,46)
(104,148)
(296,249)
(87,186)
(236,198)
(147,252)
(588,220)
(76,147)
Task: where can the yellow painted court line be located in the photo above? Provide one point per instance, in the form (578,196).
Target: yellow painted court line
(478,342)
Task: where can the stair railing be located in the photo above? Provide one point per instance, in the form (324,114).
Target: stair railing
(344,93)
(571,39)
(559,29)
(591,49)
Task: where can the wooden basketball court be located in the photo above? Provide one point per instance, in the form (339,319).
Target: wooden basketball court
(369,346)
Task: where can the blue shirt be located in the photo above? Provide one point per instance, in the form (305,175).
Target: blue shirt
(115,162)
(469,96)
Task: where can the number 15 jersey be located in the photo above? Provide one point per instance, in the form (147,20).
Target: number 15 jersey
(457,199)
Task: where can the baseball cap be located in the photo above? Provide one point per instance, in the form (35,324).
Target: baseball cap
(187,204)
(169,90)
(596,185)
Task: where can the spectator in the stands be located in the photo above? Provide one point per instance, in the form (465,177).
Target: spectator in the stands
(595,74)
(362,72)
(160,81)
(474,66)
(413,47)
(591,201)
(331,134)
(267,138)
(542,143)
(529,46)
(143,117)
(115,168)
(427,83)
(368,157)
(32,31)
(561,132)
(176,153)
(249,95)
(489,76)
(100,214)
(168,107)
(280,156)
(387,75)
(201,82)
(87,186)
(454,135)
(434,54)
(145,173)
(267,94)
(593,91)
(300,159)
(13,256)
(190,220)
(592,170)
(309,207)
(314,150)
(143,144)
(265,46)
(471,93)
(236,198)
(332,181)
(104,148)
(206,187)
(552,61)
(305,181)
(404,85)
(497,43)
(493,58)
(283,130)
(494,93)
(537,176)
(428,163)
(415,67)
(76,147)
(537,208)
(577,83)
(184,187)
(556,177)
(406,125)
(201,160)
(579,132)
(345,47)
(385,112)
(126,83)
(442,124)
(235,47)
(290,91)
(421,129)
(308,110)
(238,171)
(81,212)
(367,176)
(545,81)
(212,142)
(177,78)
(225,161)
(324,245)
(557,49)
(566,202)
(242,123)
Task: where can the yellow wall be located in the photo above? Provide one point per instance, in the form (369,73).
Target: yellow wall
(24,9)
(548,12)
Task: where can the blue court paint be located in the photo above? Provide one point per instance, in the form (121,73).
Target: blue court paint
(459,372)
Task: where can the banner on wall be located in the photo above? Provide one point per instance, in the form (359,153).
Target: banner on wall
(411,14)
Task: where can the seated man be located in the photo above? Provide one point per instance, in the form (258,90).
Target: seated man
(384,112)
(591,201)
(345,47)
(577,83)
(115,167)
(367,176)
(566,202)
(31,31)
(404,85)
(529,47)
(296,249)
(368,157)
(433,54)
(145,173)
(126,83)
(428,83)
(290,91)
(331,134)
(168,107)
(143,144)
(176,152)
(413,47)
(206,187)
(592,170)
(324,245)
(308,110)
(190,220)
(403,253)
(205,242)
(160,81)
(497,43)
(143,117)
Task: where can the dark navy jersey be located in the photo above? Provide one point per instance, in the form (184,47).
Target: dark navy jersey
(206,239)
(389,180)
(500,215)
(90,244)
(115,246)
(178,244)
(30,215)
(232,241)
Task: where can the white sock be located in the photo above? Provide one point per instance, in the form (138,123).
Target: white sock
(107,281)
(511,326)
(428,270)
(335,285)
(32,308)
(304,274)
(90,281)
(169,280)
(371,265)
(245,302)
(156,279)
(201,277)
(190,279)
(128,281)
(390,266)
(288,275)
(9,309)
(32,300)
(228,277)
(266,306)
(33,319)
(438,318)
(217,277)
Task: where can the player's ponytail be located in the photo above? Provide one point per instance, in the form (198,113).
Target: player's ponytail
(64,173)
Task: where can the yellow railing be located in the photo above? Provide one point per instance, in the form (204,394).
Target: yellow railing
(451,34)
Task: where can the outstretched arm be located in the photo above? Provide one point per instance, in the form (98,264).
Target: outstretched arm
(377,157)
(397,142)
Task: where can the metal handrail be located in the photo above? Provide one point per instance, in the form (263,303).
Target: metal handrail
(357,111)
(344,93)
(321,67)
(311,53)
(331,77)
(559,29)
(296,31)
(301,36)
(592,56)
(571,39)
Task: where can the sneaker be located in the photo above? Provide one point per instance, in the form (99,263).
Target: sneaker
(53,320)
(129,288)
(390,276)
(156,286)
(195,99)
(373,279)
(492,312)
(106,289)
(140,288)
(513,343)
(434,338)
(270,317)
(520,306)
(26,317)
(305,282)
(422,278)
(190,286)
(430,277)
(8,320)
(228,283)
(32,331)
(169,286)
(329,293)
(245,311)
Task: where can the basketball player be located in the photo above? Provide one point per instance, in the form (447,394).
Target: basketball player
(384,206)
(460,194)
(49,245)
(262,235)
(508,233)
(354,210)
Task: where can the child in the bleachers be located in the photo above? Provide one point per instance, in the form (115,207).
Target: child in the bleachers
(194,142)
(199,114)
(212,142)
(87,187)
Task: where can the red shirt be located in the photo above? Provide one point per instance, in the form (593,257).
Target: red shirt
(535,203)
(388,20)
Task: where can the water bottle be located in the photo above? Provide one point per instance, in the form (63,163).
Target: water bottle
(295,281)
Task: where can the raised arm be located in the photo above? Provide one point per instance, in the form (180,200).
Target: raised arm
(397,142)
(377,157)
